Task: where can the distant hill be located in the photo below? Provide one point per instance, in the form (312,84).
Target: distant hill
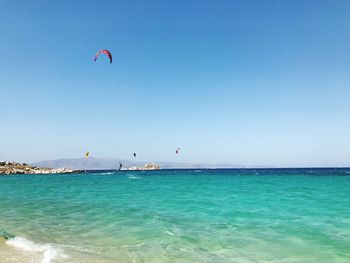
(109,163)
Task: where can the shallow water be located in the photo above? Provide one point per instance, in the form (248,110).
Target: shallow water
(277,215)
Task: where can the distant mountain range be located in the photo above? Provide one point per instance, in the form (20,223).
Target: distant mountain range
(92,163)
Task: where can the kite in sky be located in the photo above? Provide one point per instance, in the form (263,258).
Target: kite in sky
(104,51)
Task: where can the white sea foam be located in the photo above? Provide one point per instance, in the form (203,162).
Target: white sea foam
(133,177)
(48,252)
(169,232)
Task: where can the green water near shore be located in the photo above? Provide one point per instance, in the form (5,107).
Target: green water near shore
(291,215)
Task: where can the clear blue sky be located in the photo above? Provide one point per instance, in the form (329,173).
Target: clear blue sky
(240,82)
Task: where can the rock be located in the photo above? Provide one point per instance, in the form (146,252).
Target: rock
(5,235)
(23,168)
(151,166)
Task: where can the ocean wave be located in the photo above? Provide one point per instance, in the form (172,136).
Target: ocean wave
(106,173)
(133,177)
(48,251)
(169,233)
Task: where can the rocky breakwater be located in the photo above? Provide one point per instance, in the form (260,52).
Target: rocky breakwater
(23,168)
(150,166)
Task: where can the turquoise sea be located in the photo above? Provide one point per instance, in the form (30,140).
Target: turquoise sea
(242,215)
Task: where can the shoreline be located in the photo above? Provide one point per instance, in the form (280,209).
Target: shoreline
(8,168)
(15,168)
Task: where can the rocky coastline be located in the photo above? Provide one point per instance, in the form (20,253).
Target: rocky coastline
(23,168)
(146,167)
